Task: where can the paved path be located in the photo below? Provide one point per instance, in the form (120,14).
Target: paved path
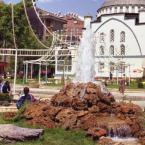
(44,92)
(133,95)
(137,96)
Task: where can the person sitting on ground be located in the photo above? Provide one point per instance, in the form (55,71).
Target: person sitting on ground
(6,88)
(25,97)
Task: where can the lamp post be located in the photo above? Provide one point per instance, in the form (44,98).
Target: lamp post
(39,75)
(46,70)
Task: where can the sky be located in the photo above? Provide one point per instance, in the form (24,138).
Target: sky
(81,7)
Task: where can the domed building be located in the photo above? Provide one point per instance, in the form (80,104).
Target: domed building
(119,32)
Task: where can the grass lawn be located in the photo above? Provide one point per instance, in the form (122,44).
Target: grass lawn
(133,85)
(53,136)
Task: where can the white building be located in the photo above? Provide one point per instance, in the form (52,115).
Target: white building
(119,32)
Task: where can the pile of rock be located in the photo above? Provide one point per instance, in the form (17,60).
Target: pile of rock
(84,106)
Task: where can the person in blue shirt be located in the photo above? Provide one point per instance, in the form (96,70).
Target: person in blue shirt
(1,85)
(25,97)
(6,87)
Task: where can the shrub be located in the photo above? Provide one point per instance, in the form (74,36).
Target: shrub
(5,97)
(140,85)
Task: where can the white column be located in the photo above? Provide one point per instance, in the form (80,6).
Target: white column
(31,70)
(56,62)
(39,74)
(16,52)
(46,73)
(15,74)
(129,75)
(26,72)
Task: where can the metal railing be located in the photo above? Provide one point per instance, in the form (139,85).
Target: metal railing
(23,52)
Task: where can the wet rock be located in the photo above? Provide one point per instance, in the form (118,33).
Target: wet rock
(107,99)
(91,99)
(120,131)
(91,90)
(78,104)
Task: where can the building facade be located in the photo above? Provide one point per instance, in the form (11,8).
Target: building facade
(119,38)
(74,26)
(52,21)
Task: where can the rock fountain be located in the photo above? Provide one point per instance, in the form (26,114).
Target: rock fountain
(83,104)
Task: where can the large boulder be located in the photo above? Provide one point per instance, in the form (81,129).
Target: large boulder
(12,132)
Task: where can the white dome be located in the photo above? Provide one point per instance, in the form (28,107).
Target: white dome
(121,6)
(109,3)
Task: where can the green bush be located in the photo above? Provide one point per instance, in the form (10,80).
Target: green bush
(140,85)
(5,97)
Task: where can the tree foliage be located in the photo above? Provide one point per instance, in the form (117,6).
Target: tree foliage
(24,36)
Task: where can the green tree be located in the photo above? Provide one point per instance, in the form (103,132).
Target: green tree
(24,36)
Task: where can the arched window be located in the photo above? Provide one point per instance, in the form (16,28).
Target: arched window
(110,10)
(127,9)
(112,35)
(122,49)
(121,9)
(68,38)
(102,50)
(102,37)
(115,10)
(111,50)
(122,36)
(133,9)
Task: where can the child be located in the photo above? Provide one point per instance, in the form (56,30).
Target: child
(25,97)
